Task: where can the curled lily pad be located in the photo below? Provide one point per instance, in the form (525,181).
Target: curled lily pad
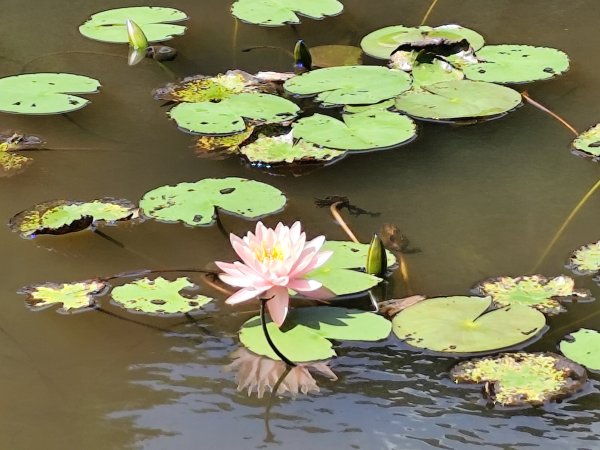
(366,130)
(45,93)
(458,99)
(588,142)
(541,293)
(336,55)
(516,64)
(350,85)
(516,379)
(72,297)
(64,216)
(218,147)
(194,203)
(583,347)
(466,325)
(274,13)
(157,23)
(305,333)
(158,296)
(383,42)
(586,260)
(12,163)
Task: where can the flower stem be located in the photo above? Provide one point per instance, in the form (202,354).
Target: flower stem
(427,14)
(338,217)
(263,322)
(270,437)
(541,107)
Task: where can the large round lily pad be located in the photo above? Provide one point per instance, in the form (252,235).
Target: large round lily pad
(588,142)
(516,64)
(350,85)
(586,260)
(194,203)
(458,100)
(466,325)
(72,297)
(583,347)
(365,130)
(45,93)
(516,379)
(280,12)
(156,23)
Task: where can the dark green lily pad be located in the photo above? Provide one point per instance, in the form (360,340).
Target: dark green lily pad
(458,99)
(586,260)
(12,163)
(156,23)
(336,55)
(350,85)
(305,334)
(158,296)
(72,297)
(588,142)
(466,325)
(45,93)
(516,379)
(583,347)
(274,13)
(194,203)
(516,64)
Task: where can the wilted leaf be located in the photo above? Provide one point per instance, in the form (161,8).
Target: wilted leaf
(586,260)
(280,12)
(72,297)
(392,307)
(12,163)
(219,147)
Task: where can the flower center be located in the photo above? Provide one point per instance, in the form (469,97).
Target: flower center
(269,254)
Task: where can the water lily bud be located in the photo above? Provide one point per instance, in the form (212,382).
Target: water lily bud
(376,257)
(302,57)
(137,38)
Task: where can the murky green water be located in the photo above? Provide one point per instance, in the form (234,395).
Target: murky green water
(478,201)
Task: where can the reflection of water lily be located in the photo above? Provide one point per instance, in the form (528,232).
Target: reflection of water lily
(259,373)
(274,261)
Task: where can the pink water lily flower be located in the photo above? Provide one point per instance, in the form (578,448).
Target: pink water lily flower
(274,261)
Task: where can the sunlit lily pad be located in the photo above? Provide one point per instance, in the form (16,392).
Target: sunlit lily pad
(350,85)
(64,216)
(12,163)
(71,297)
(458,99)
(158,296)
(305,333)
(586,260)
(516,379)
(541,293)
(335,55)
(435,72)
(583,347)
(45,93)
(516,64)
(466,325)
(219,147)
(194,203)
(280,12)
(366,130)
(381,43)
(588,142)
(156,23)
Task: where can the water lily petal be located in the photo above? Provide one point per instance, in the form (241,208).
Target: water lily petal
(278,304)
(243,295)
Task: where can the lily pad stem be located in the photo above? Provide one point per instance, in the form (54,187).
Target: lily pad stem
(541,107)
(337,216)
(428,13)
(263,322)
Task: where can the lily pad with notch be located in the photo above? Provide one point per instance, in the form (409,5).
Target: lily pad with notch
(275,13)
(588,142)
(583,347)
(72,297)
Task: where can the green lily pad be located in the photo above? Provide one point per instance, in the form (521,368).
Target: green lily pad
(382,106)
(583,347)
(366,130)
(516,379)
(158,296)
(12,163)
(65,216)
(155,22)
(336,55)
(464,325)
(349,85)
(194,203)
(305,333)
(586,260)
(588,142)
(274,13)
(435,72)
(227,116)
(541,293)
(516,64)
(458,99)
(72,297)
(382,43)
(45,93)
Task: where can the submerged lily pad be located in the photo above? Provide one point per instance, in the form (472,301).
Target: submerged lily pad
(72,297)
(458,99)
(350,85)
(280,12)
(194,203)
(466,325)
(541,293)
(12,163)
(336,55)
(516,379)
(516,64)
(586,260)
(366,130)
(588,142)
(158,296)
(45,93)
(583,347)
(156,23)
(305,333)
(383,42)
(64,216)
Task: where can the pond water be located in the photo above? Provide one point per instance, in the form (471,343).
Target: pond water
(478,201)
